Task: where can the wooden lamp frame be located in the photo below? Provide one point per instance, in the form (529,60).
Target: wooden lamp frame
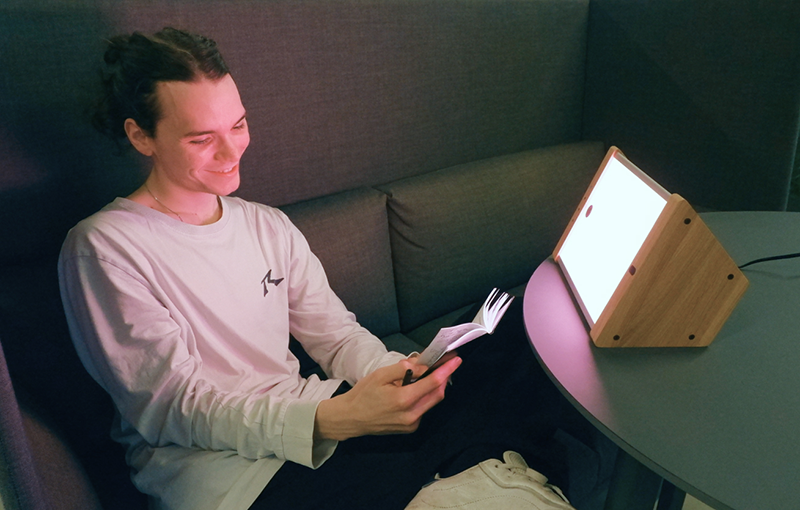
(680,288)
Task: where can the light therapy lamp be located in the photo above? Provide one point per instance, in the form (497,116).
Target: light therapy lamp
(642,266)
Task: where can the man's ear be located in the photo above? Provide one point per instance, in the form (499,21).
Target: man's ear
(138,138)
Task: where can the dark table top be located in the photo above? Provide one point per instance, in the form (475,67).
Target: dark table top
(720,422)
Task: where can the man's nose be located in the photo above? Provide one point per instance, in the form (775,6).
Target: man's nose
(231,148)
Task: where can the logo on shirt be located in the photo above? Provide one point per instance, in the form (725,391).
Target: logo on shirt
(269,281)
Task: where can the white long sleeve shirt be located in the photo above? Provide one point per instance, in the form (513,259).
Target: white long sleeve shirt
(187,328)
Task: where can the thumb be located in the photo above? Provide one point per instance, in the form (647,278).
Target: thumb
(393,373)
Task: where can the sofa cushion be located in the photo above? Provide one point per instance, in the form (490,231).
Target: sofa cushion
(349,233)
(441,224)
(401,343)
(423,334)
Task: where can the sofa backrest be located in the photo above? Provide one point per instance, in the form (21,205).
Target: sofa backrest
(348,94)
(459,231)
(341,95)
(349,232)
(704,96)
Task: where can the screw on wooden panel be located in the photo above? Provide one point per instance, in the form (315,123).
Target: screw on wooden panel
(632,270)
(730,277)
(691,337)
(616,337)
(687,221)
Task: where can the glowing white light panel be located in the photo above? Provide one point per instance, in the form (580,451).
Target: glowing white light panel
(607,235)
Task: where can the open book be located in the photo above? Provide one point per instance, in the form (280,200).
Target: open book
(455,336)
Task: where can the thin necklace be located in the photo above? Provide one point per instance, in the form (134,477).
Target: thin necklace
(162,203)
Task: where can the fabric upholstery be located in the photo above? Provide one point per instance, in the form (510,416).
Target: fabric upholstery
(349,233)
(401,343)
(353,93)
(38,470)
(703,96)
(20,484)
(66,485)
(459,231)
(67,415)
(339,94)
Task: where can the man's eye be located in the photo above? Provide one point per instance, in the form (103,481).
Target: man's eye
(243,125)
(202,141)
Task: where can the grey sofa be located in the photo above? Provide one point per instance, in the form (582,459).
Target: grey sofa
(428,149)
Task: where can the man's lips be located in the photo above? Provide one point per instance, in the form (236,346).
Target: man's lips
(226,170)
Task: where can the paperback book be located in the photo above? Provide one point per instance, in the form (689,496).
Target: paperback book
(453,337)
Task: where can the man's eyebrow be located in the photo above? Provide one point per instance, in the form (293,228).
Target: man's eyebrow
(192,134)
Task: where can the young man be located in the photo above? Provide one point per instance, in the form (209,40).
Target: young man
(181,301)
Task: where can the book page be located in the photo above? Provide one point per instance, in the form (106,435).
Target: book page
(448,339)
(455,336)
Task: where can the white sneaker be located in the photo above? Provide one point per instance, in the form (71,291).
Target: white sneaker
(492,485)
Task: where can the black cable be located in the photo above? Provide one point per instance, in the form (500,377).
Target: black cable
(767,259)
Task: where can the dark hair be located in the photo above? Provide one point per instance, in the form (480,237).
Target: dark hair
(135,63)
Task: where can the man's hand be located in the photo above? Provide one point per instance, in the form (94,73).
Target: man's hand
(444,359)
(380,404)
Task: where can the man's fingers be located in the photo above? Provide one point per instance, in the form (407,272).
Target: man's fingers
(436,378)
(393,373)
(447,368)
(433,386)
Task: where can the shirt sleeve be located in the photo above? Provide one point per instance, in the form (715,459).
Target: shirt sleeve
(319,320)
(132,347)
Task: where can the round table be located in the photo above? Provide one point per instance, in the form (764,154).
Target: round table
(719,422)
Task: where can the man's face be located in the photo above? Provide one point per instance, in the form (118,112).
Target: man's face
(201,136)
